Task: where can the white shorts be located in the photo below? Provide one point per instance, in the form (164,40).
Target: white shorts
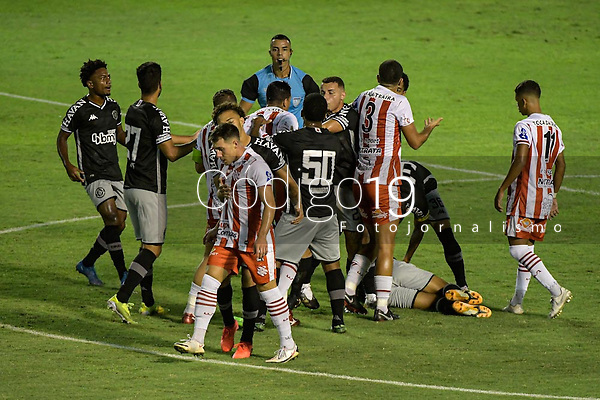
(319,235)
(103,189)
(148,213)
(407,282)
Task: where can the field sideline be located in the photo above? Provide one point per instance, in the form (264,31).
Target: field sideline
(464,59)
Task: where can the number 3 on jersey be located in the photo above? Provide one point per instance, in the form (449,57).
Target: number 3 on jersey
(368,122)
(133,133)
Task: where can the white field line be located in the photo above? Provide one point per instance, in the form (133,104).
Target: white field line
(64,221)
(289,370)
(57,103)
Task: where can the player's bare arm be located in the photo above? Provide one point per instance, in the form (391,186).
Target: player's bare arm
(211,235)
(559,174)
(294,192)
(265,193)
(245,106)
(416,139)
(415,240)
(75,174)
(517,165)
(333,126)
(178,146)
(121,135)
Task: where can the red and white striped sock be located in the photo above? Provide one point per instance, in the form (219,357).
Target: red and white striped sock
(536,267)
(287,273)
(280,315)
(206,304)
(383,287)
(358,269)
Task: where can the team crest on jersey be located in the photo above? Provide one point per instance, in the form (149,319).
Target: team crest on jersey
(296,101)
(523,134)
(99,193)
(269,176)
(92,117)
(115,115)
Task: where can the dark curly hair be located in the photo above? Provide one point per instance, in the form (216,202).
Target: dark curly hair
(88,68)
(221,108)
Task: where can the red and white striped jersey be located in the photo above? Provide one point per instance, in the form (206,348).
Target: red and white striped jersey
(242,213)
(531,194)
(382,113)
(205,155)
(278,120)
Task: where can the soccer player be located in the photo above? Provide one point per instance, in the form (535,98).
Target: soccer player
(314,155)
(430,209)
(280,69)
(413,287)
(243,236)
(274,117)
(96,121)
(384,114)
(150,146)
(531,200)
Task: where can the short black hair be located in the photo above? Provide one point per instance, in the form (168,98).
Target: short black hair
(390,72)
(405,81)
(315,107)
(221,108)
(335,79)
(88,68)
(278,91)
(224,96)
(149,76)
(225,132)
(528,87)
(281,36)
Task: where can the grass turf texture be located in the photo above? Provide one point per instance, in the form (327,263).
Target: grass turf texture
(463,58)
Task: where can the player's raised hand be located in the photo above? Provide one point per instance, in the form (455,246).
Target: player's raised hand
(211,235)
(498,200)
(75,174)
(431,123)
(223,191)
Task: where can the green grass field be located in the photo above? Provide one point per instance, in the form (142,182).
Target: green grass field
(464,59)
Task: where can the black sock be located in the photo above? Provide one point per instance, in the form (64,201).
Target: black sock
(442,291)
(250,304)
(335,287)
(262,310)
(304,267)
(146,286)
(139,268)
(444,306)
(224,299)
(96,251)
(112,238)
(453,254)
(310,271)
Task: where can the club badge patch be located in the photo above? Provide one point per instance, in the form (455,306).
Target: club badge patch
(115,115)
(99,193)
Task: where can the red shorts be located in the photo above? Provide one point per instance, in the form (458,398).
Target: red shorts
(230,259)
(378,203)
(525,228)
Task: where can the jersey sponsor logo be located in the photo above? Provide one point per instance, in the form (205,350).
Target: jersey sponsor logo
(92,117)
(115,115)
(99,193)
(378,214)
(110,137)
(545,182)
(368,151)
(269,175)
(228,233)
(371,141)
(372,93)
(523,134)
(71,112)
(296,101)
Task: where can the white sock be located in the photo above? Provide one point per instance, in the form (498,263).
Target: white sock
(191,303)
(280,316)
(206,304)
(358,269)
(383,287)
(536,267)
(521,285)
(287,273)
